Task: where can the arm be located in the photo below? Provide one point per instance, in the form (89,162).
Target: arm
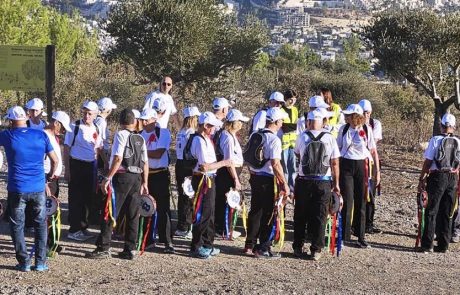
(66,161)
(335,175)
(233,173)
(156,154)
(375,156)
(145,179)
(216,165)
(279,174)
(112,170)
(424,175)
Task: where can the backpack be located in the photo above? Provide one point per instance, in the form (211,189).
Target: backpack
(41,120)
(132,155)
(77,129)
(448,156)
(347,126)
(188,160)
(315,160)
(253,153)
(216,140)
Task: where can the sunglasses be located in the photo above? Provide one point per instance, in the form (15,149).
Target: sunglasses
(166,84)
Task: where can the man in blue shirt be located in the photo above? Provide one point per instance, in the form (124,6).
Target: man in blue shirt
(25,149)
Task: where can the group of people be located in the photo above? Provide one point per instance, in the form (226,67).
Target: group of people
(324,158)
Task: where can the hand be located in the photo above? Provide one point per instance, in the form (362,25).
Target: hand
(286,189)
(144,189)
(105,186)
(228,163)
(336,189)
(204,167)
(237,185)
(377,179)
(421,185)
(47,190)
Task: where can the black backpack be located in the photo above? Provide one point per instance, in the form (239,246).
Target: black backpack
(347,126)
(132,155)
(41,120)
(448,156)
(315,160)
(216,140)
(253,153)
(188,160)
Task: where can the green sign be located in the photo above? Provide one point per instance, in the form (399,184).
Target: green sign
(22,68)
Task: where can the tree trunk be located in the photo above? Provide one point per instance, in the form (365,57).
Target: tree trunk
(439,110)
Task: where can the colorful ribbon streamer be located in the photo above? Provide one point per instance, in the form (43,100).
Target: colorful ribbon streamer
(55,227)
(203,186)
(339,238)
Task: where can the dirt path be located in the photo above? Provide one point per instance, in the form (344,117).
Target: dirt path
(390,267)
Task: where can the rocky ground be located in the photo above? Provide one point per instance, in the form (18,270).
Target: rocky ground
(390,266)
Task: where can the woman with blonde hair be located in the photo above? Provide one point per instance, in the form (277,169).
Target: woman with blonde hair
(185,204)
(357,147)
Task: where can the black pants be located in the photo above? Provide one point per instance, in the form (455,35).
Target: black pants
(353,193)
(262,203)
(441,189)
(312,200)
(224,181)
(184,203)
(370,206)
(127,187)
(159,189)
(82,192)
(203,231)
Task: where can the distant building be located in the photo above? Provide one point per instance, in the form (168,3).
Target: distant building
(293,17)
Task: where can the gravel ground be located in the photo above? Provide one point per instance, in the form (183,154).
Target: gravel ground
(390,267)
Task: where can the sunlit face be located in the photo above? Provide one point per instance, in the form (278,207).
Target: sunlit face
(88,116)
(367,116)
(147,122)
(58,128)
(209,129)
(274,103)
(34,113)
(238,125)
(166,85)
(290,101)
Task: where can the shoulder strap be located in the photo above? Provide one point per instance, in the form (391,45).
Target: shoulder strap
(28,123)
(313,138)
(157,131)
(372,123)
(365,130)
(345,129)
(76,130)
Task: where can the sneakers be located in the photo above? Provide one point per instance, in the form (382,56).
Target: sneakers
(202,253)
(440,249)
(99,254)
(362,244)
(169,250)
(78,236)
(316,255)
(23,267)
(40,267)
(248,251)
(181,233)
(236,234)
(373,230)
(455,239)
(214,251)
(425,250)
(127,254)
(298,252)
(87,233)
(267,255)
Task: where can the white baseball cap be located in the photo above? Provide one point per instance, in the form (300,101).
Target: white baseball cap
(90,105)
(366,105)
(137,114)
(44,114)
(35,104)
(220,103)
(106,103)
(325,112)
(63,118)
(448,120)
(16,113)
(278,96)
(159,104)
(353,109)
(148,113)
(317,101)
(275,114)
(235,115)
(209,118)
(316,115)
(191,111)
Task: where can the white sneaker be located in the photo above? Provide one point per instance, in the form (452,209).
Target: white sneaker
(78,236)
(236,234)
(181,233)
(189,235)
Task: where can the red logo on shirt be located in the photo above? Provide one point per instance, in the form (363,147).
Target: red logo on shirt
(95,136)
(152,138)
(362,133)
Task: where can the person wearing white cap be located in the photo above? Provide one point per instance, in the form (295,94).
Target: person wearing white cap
(276,99)
(337,119)
(137,115)
(25,150)
(318,168)
(439,178)
(82,145)
(357,148)
(263,181)
(184,203)
(376,128)
(220,106)
(164,92)
(106,106)
(203,183)
(228,177)
(314,102)
(158,141)
(35,111)
(127,177)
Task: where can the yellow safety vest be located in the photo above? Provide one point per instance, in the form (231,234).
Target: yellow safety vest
(334,120)
(288,139)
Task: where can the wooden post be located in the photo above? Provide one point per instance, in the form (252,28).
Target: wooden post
(50,75)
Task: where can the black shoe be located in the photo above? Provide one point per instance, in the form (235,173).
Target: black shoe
(440,249)
(373,230)
(267,255)
(169,250)
(425,250)
(99,254)
(298,252)
(127,254)
(362,244)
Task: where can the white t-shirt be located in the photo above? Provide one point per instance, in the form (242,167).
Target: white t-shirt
(170,106)
(154,143)
(432,149)
(377,130)
(57,149)
(86,143)
(181,141)
(331,147)
(119,143)
(259,121)
(272,150)
(203,151)
(231,148)
(354,145)
(104,131)
(40,126)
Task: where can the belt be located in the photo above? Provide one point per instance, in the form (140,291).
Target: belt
(261,174)
(439,171)
(211,175)
(157,170)
(84,161)
(317,178)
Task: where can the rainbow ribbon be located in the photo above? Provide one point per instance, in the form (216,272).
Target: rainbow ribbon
(55,227)
(339,238)
(198,200)
(110,205)
(245,218)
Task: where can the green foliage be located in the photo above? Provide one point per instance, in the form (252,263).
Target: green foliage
(288,57)
(28,22)
(351,48)
(188,40)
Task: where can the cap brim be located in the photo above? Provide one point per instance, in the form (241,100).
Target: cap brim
(347,112)
(66,127)
(244,119)
(114,106)
(215,122)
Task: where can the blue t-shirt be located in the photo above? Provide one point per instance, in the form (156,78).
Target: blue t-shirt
(25,149)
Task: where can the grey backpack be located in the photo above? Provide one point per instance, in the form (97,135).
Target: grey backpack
(448,156)
(315,160)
